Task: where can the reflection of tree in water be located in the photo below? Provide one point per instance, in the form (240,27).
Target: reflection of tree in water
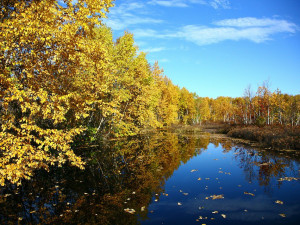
(119,175)
(264,166)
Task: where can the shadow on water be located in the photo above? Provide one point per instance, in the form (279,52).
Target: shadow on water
(129,174)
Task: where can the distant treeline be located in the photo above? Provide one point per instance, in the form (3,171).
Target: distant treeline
(263,108)
(63,76)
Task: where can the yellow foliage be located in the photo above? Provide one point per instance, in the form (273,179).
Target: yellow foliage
(41,73)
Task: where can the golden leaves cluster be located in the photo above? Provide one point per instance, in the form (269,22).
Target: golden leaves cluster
(41,69)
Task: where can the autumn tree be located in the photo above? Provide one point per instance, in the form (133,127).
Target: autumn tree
(263,101)
(202,110)
(167,108)
(248,97)
(134,88)
(42,67)
(186,106)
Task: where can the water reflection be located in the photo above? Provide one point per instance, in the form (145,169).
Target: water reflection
(264,166)
(129,174)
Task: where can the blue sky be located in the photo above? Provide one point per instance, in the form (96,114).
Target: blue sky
(217,47)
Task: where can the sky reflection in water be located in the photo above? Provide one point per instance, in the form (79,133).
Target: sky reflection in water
(157,176)
(231,173)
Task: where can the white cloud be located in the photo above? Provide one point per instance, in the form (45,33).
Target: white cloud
(219,4)
(125,21)
(169,3)
(157,49)
(185,3)
(150,33)
(253,22)
(252,29)
(127,14)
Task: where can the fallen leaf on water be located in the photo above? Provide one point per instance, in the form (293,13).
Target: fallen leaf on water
(156,200)
(214,212)
(288,178)
(179,203)
(245,210)
(131,211)
(279,202)
(143,208)
(199,178)
(193,171)
(202,218)
(265,164)
(217,197)
(185,193)
(223,215)
(248,193)
(282,215)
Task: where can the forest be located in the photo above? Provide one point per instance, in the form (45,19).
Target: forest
(64,78)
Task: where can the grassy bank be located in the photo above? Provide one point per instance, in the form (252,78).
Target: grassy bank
(276,137)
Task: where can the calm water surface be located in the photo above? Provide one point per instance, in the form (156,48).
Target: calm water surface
(163,178)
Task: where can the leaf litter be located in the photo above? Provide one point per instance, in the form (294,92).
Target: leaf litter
(214,197)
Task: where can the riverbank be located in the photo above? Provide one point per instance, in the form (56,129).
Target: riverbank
(276,137)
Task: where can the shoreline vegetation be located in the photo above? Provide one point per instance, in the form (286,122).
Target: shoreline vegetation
(272,137)
(66,81)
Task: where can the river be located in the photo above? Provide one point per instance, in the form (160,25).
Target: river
(163,178)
